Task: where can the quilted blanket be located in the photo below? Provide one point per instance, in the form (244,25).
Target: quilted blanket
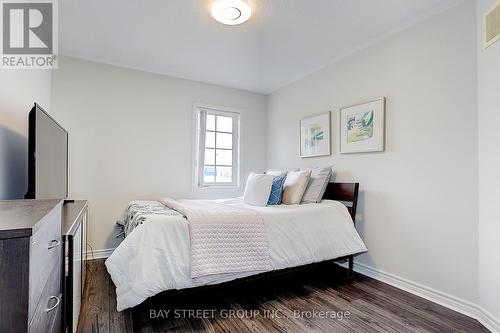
(224,238)
(137,213)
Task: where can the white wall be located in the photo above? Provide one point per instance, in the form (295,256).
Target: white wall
(19,90)
(130,136)
(418,201)
(489,166)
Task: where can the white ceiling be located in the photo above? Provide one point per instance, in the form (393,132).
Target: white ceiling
(282,41)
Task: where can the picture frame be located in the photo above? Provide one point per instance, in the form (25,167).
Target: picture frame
(315,135)
(490,25)
(362,127)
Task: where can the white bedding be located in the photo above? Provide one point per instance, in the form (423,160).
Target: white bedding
(155,256)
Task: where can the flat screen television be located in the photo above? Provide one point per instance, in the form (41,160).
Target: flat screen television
(47,157)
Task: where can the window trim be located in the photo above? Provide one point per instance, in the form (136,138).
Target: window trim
(199,130)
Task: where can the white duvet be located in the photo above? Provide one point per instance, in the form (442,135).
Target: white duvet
(155,256)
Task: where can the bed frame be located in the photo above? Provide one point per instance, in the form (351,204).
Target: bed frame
(347,193)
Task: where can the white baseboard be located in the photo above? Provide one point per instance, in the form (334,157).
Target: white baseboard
(99,254)
(457,304)
(488,320)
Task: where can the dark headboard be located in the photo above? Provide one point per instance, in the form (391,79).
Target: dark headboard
(347,193)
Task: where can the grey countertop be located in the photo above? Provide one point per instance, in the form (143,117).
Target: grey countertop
(19,217)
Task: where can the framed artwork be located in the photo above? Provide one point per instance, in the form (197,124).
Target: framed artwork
(362,127)
(315,135)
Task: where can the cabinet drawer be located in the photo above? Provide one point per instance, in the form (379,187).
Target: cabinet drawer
(49,305)
(45,257)
(57,323)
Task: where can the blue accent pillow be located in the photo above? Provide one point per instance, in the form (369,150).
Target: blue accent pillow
(276,191)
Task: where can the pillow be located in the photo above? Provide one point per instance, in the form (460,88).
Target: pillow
(276,191)
(257,189)
(295,185)
(276,173)
(320,177)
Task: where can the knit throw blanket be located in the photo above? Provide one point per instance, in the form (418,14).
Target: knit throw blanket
(224,238)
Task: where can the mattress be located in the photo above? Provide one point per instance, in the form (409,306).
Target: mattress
(155,256)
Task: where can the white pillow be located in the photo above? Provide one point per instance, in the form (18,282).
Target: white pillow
(276,173)
(320,177)
(295,186)
(257,189)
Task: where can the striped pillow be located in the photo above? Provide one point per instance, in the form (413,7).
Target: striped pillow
(320,177)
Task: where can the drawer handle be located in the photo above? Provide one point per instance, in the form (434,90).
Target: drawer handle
(54,243)
(58,300)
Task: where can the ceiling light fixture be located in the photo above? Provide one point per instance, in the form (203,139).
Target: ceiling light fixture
(231,12)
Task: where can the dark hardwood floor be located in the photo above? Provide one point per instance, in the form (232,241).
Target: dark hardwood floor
(315,300)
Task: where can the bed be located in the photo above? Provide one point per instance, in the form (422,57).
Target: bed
(155,256)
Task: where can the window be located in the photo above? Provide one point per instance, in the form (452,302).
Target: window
(217,147)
